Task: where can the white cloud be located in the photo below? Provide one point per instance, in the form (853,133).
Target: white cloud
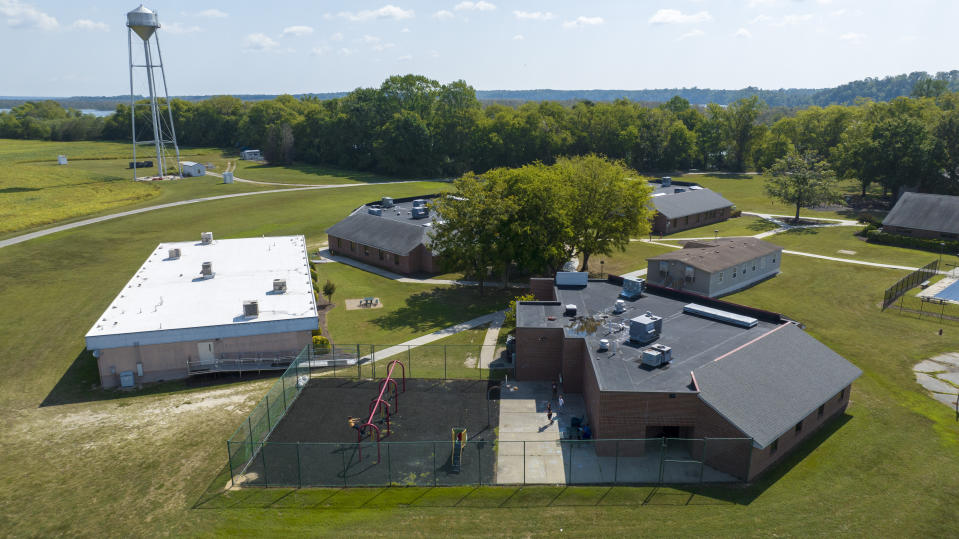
(383,46)
(434,54)
(370,39)
(297,31)
(405,30)
(743,33)
(853,37)
(212,14)
(20,15)
(388,11)
(179,28)
(405,58)
(345,52)
(757,3)
(518,37)
(87,24)
(823,2)
(675,16)
(474,6)
(760,19)
(443,14)
(336,37)
(259,42)
(838,12)
(583,21)
(795,18)
(533,15)
(692,33)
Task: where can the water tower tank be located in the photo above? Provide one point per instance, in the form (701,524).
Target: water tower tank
(143,21)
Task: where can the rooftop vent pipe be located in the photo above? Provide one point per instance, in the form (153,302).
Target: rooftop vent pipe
(206,238)
(279,285)
(174,254)
(206,269)
(251,308)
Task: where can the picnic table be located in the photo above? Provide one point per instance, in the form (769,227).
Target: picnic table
(368,301)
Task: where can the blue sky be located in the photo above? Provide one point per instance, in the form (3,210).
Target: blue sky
(60,48)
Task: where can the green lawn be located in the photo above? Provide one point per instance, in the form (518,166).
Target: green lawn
(738,226)
(829,241)
(302,173)
(632,259)
(747,193)
(90,463)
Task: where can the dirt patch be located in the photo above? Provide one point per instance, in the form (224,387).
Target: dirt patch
(358,304)
(470,361)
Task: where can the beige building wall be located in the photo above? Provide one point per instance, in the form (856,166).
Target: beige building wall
(169,361)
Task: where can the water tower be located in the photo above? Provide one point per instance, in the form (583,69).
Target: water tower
(143,22)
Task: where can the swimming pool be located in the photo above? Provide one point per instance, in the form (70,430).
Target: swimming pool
(950,292)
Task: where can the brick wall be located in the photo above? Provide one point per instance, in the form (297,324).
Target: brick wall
(688,221)
(539,353)
(419,260)
(542,289)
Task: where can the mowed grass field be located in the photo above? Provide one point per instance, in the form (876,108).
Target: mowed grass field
(84,462)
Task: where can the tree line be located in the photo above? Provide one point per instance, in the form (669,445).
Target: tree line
(413,126)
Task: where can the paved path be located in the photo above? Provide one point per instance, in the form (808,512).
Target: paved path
(777,217)
(488,352)
(77,224)
(431,337)
(634,274)
(940,376)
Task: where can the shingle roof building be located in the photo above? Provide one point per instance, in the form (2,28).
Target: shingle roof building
(924,215)
(689,202)
(715,268)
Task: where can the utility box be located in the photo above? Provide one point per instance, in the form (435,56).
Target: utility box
(657,355)
(227,177)
(645,328)
(61,160)
(126,379)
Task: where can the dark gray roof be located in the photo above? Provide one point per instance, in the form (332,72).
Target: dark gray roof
(720,254)
(381,232)
(695,341)
(768,386)
(939,213)
(689,203)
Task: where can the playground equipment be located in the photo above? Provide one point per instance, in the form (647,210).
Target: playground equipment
(389,381)
(459,441)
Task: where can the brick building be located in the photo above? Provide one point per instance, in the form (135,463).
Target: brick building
(715,268)
(924,216)
(680,207)
(391,234)
(192,305)
(732,371)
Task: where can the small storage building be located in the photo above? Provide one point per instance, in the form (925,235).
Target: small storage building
(191,169)
(715,268)
(251,155)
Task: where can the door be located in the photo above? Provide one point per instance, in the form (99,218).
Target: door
(205,351)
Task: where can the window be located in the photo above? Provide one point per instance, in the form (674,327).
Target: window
(381,254)
(396,259)
(773,447)
(798,427)
(774,259)
(754,266)
(339,242)
(744,269)
(352,246)
(686,220)
(366,251)
(672,395)
(720,276)
(734,273)
(822,410)
(675,223)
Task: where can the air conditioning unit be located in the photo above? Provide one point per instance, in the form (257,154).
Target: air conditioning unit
(251,308)
(173,254)
(374,210)
(387,202)
(570,309)
(657,355)
(603,345)
(206,269)
(206,238)
(279,285)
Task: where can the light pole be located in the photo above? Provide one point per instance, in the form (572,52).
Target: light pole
(716,234)
(941,246)
(601,264)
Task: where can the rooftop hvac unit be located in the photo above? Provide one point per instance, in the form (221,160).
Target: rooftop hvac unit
(570,309)
(387,202)
(666,181)
(679,190)
(420,212)
(419,203)
(619,306)
(206,238)
(374,210)
(603,345)
(690,273)
(572,278)
(174,254)
(657,355)
(251,308)
(279,285)
(632,289)
(206,269)
(645,328)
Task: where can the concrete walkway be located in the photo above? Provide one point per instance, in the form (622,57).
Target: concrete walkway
(778,218)
(77,224)
(529,447)
(488,352)
(940,376)
(387,353)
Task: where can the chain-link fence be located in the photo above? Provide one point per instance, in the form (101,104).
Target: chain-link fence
(432,463)
(909,282)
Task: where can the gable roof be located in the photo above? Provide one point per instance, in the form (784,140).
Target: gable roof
(764,391)
(381,233)
(720,254)
(939,213)
(689,202)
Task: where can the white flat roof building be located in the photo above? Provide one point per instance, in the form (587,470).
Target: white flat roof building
(168,300)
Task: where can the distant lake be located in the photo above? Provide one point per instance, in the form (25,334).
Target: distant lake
(99,113)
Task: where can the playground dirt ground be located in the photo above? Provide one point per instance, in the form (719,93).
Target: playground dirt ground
(314,445)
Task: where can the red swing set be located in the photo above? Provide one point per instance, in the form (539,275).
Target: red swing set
(389,381)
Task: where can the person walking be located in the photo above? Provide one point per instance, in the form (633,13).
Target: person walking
(555,388)
(549,411)
(561,402)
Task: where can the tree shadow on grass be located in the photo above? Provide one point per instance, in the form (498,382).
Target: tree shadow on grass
(81,383)
(802,232)
(18,190)
(442,307)
(762,225)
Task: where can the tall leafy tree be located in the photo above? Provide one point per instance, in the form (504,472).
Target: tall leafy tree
(740,128)
(802,179)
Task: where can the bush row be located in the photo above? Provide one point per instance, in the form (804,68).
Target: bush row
(926,244)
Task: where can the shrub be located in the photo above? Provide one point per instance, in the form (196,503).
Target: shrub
(925,244)
(735,213)
(320,343)
(510,321)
